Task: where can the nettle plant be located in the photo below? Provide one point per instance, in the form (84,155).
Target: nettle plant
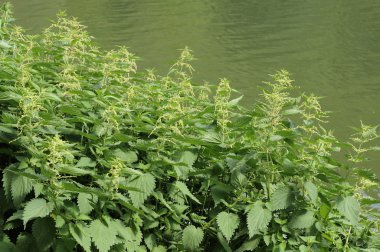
(96,156)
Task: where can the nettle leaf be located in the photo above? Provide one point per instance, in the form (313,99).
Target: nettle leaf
(186,160)
(81,235)
(159,248)
(185,191)
(303,220)
(65,245)
(85,162)
(25,242)
(220,192)
(126,156)
(258,219)
(311,190)
(85,202)
(36,208)
(145,183)
(20,187)
(102,235)
(7,182)
(192,237)
(224,242)
(43,230)
(228,223)
(349,207)
(281,198)
(249,245)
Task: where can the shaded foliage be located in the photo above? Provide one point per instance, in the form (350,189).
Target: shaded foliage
(97,156)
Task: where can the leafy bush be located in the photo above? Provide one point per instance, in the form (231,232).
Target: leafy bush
(96,156)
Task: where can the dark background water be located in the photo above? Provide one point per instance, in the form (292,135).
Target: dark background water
(332,47)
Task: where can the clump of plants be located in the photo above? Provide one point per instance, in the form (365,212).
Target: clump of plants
(97,156)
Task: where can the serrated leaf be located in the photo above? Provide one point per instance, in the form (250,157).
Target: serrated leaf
(182,187)
(7,182)
(281,198)
(145,184)
(36,208)
(228,223)
(85,162)
(224,242)
(258,219)
(249,245)
(311,190)
(81,235)
(188,158)
(126,156)
(349,207)
(85,202)
(235,102)
(20,187)
(303,220)
(159,248)
(38,188)
(220,192)
(103,236)
(43,230)
(192,237)
(24,243)
(186,161)
(65,245)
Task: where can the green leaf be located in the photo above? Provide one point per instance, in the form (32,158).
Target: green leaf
(159,248)
(6,246)
(20,187)
(102,235)
(36,208)
(249,245)
(85,202)
(5,44)
(126,156)
(72,170)
(81,235)
(145,183)
(65,245)
(43,230)
(258,219)
(349,207)
(25,242)
(275,138)
(220,192)
(188,158)
(235,102)
(192,237)
(7,183)
(224,242)
(228,223)
(311,190)
(292,111)
(186,161)
(281,198)
(85,162)
(182,187)
(303,220)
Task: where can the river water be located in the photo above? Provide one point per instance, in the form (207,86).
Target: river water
(332,47)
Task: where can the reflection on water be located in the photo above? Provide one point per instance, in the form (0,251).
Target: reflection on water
(331,47)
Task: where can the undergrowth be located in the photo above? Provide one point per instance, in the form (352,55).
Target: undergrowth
(97,156)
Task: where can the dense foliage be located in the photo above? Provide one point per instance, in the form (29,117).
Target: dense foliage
(96,156)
